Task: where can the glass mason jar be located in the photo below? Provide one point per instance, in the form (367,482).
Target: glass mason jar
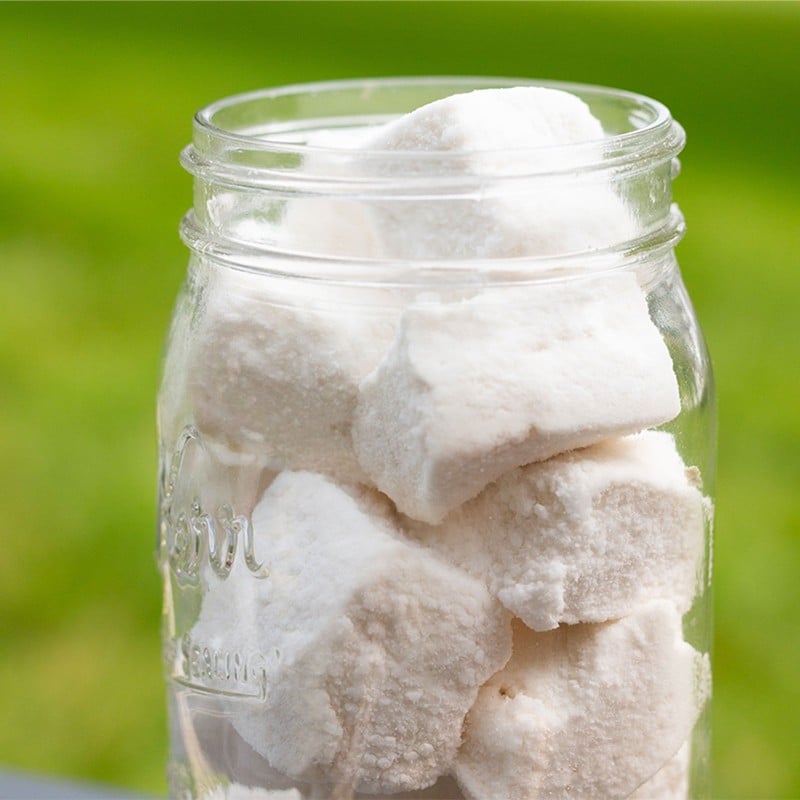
(436,441)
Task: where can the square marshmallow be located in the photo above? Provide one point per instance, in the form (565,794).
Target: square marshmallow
(584,711)
(470,390)
(330,226)
(485,134)
(671,782)
(373,648)
(237,791)
(274,370)
(586,536)
(492,133)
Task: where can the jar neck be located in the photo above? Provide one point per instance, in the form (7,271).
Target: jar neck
(266,196)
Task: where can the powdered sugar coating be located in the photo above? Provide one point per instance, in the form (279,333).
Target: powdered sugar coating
(584,711)
(474,121)
(671,782)
(374,648)
(330,226)
(586,536)
(512,131)
(470,390)
(237,791)
(275,371)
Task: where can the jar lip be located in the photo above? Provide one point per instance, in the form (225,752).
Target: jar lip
(217,148)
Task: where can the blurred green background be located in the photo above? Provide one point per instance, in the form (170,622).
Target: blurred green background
(96,102)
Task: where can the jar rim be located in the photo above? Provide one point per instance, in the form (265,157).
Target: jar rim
(250,152)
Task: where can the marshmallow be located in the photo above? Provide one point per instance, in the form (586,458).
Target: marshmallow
(485,133)
(274,370)
(445,789)
(218,752)
(671,782)
(588,711)
(330,226)
(470,390)
(373,649)
(586,536)
(237,791)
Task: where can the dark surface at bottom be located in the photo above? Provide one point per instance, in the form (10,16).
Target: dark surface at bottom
(22,786)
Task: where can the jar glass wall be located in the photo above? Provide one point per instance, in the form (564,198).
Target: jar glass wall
(437,451)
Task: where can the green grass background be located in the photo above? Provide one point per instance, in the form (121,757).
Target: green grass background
(96,102)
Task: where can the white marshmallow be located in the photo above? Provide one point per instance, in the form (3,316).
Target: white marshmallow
(470,390)
(502,132)
(585,711)
(330,225)
(491,120)
(586,536)
(274,370)
(237,791)
(671,782)
(373,648)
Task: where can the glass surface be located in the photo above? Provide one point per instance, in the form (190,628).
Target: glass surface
(434,523)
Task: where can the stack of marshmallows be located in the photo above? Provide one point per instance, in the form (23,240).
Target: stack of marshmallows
(479,552)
